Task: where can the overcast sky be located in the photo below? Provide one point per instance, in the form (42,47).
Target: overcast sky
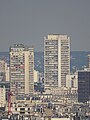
(28,21)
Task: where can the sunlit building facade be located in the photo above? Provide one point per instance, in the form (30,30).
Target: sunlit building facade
(56,60)
(72,80)
(21,69)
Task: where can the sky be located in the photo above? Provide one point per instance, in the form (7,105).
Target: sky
(28,21)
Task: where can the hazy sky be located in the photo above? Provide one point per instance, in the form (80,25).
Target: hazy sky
(28,21)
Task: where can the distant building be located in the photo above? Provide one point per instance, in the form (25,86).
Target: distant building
(89,61)
(60,118)
(36,76)
(2,97)
(41,77)
(5,84)
(4,71)
(8,73)
(21,69)
(64,94)
(56,60)
(84,85)
(72,80)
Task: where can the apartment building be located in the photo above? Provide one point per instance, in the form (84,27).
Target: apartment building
(56,60)
(21,69)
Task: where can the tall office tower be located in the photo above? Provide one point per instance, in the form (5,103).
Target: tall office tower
(56,60)
(21,69)
(84,85)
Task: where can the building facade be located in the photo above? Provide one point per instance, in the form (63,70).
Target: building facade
(4,70)
(72,80)
(83,86)
(21,69)
(2,97)
(63,94)
(36,76)
(56,60)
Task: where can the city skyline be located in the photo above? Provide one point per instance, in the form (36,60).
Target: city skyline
(28,22)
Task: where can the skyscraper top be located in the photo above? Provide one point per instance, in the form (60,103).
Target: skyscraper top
(20,47)
(56,36)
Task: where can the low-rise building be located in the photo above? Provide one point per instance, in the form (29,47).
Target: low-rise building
(64,94)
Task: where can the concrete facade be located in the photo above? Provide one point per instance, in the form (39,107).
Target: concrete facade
(2,97)
(72,80)
(4,70)
(56,60)
(21,69)
(36,76)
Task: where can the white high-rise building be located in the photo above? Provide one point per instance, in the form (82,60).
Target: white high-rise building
(21,69)
(56,60)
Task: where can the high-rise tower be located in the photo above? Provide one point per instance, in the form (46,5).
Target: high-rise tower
(21,69)
(84,85)
(56,60)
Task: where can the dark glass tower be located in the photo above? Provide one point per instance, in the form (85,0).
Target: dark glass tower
(83,86)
